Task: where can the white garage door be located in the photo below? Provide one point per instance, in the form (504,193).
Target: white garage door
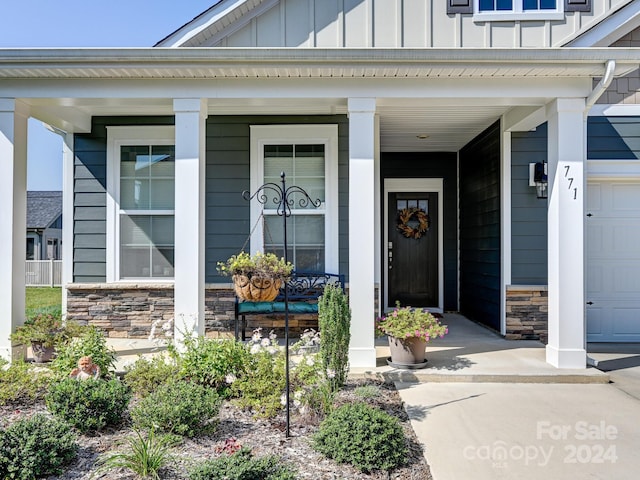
(613,261)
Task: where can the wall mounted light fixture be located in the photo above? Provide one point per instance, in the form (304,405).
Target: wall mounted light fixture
(538,178)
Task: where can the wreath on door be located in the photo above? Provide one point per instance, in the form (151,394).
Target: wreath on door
(409,215)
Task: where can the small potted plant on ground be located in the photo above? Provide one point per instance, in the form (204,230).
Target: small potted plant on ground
(43,331)
(256,277)
(409,330)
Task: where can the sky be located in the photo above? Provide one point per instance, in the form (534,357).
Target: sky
(83,23)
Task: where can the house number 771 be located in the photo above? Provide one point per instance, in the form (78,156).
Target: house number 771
(567,168)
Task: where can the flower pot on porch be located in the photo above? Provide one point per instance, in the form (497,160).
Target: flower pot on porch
(41,352)
(408,353)
(256,288)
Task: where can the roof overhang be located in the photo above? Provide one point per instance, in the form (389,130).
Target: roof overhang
(203,63)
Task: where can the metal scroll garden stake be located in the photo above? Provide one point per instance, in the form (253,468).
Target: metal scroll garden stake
(283,198)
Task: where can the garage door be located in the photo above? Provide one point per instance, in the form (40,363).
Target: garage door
(613,261)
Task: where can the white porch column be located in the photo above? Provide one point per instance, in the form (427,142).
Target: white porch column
(13,219)
(566,169)
(189,267)
(67,214)
(362,208)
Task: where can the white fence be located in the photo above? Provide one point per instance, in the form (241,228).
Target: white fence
(40,273)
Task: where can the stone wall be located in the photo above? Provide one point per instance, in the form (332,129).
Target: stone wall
(129,310)
(527,307)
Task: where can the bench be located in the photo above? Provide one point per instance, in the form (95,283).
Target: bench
(303,289)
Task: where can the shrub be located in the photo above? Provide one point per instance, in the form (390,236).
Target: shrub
(36,447)
(260,388)
(334,320)
(208,362)
(145,375)
(45,325)
(313,394)
(242,466)
(145,455)
(21,383)
(181,408)
(89,405)
(363,436)
(367,392)
(91,343)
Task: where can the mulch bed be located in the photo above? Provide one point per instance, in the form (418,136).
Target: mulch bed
(264,437)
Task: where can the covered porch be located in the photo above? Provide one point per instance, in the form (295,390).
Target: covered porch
(416,101)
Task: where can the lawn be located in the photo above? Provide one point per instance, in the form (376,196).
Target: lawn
(38,297)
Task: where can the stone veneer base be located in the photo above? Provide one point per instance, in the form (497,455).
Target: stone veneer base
(527,312)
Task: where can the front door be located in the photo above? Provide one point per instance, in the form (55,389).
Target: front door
(412,250)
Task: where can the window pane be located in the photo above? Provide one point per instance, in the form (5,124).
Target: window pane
(146,246)
(134,194)
(162,161)
(305,239)
(162,195)
(548,4)
(504,4)
(530,4)
(487,5)
(136,160)
(278,151)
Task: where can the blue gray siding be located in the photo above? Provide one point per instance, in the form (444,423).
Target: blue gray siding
(480,285)
(528,213)
(433,165)
(90,196)
(228,162)
(613,138)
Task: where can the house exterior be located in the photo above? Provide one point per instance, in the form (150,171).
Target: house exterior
(44,225)
(418,109)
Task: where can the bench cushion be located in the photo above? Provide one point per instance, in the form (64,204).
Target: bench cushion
(276,307)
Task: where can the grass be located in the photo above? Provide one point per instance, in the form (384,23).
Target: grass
(38,297)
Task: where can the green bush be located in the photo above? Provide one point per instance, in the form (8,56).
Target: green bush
(91,343)
(208,361)
(145,455)
(181,408)
(146,375)
(242,466)
(22,383)
(89,405)
(367,392)
(261,388)
(366,437)
(334,320)
(36,447)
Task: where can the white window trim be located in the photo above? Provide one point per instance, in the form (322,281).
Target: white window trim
(262,135)
(518,13)
(117,137)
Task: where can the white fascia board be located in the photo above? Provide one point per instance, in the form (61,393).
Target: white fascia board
(612,28)
(202,22)
(614,110)
(524,119)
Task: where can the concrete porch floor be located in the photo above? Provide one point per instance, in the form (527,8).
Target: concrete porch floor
(469,353)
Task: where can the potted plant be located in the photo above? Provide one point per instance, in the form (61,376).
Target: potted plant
(43,331)
(256,277)
(409,330)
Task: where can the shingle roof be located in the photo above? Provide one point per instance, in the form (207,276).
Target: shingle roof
(43,208)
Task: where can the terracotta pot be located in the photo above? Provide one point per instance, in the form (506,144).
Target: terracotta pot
(407,351)
(42,354)
(256,289)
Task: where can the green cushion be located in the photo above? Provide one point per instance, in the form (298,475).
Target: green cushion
(296,307)
(255,307)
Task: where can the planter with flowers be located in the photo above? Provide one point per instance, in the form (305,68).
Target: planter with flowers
(409,330)
(44,330)
(256,278)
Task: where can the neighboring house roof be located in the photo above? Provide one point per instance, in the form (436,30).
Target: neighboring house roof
(43,208)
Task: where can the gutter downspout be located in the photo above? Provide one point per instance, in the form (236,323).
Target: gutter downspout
(593,97)
(601,87)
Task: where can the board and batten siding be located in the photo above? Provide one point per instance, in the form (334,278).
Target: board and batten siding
(90,196)
(613,138)
(395,23)
(528,213)
(432,165)
(228,165)
(480,283)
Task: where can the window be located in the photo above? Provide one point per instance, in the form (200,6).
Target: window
(308,156)
(31,248)
(141,163)
(495,10)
